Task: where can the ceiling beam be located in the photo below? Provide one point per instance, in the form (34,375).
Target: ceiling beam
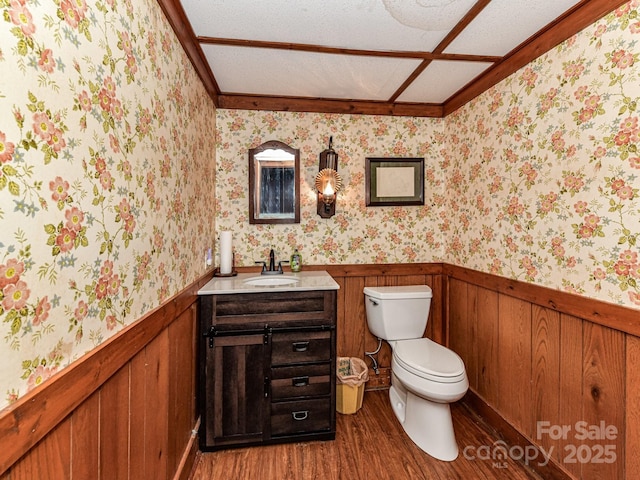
(324,105)
(461,25)
(301,47)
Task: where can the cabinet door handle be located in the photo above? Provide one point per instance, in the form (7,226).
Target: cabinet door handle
(300,346)
(301,415)
(300,381)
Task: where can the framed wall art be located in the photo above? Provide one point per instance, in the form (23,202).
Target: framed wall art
(394,181)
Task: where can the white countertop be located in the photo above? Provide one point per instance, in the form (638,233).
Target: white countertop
(306,280)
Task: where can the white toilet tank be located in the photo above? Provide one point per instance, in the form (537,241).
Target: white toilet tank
(397,313)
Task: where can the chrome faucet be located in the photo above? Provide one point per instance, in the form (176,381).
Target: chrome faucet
(272,265)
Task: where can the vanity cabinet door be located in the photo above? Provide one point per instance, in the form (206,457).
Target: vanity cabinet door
(235,392)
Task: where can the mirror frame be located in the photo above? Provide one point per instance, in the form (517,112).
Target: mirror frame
(254,215)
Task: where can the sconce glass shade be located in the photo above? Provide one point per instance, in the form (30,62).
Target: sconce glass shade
(332,159)
(328,183)
(328,194)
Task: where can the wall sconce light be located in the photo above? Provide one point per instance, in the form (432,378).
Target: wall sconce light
(328,182)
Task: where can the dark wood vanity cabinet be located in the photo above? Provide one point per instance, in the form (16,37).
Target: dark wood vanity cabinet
(267,368)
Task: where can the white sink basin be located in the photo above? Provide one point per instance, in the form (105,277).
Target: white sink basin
(271,281)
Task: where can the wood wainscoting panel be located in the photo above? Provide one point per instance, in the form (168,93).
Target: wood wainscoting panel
(545,351)
(182,386)
(49,459)
(340,312)
(351,327)
(472,334)
(462,327)
(603,404)
(436,330)
(566,383)
(156,431)
(114,426)
(514,354)
(487,345)
(85,440)
(632,405)
(570,386)
(137,404)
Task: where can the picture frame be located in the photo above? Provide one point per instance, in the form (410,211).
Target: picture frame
(394,181)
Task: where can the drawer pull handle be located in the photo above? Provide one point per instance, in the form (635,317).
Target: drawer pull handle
(301,415)
(300,346)
(300,381)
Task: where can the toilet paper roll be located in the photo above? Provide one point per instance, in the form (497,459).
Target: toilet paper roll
(226,253)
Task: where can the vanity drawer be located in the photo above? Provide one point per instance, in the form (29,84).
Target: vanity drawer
(304,416)
(300,381)
(300,347)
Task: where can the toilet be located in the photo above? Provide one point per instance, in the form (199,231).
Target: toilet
(425,376)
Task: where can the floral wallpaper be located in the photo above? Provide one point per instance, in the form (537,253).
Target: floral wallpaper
(543,184)
(106,182)
(356,234)
(537,179)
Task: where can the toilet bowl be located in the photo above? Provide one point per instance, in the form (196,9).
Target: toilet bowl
(420,395)
(426,376)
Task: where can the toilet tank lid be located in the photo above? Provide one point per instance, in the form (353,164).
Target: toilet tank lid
(399,292)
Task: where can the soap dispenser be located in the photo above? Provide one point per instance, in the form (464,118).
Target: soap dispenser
(296,261)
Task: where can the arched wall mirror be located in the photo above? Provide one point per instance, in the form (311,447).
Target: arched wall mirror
(274,183)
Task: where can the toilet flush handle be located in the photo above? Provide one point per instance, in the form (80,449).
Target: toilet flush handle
(375,304)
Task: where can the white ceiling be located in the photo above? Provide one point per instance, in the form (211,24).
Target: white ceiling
(387,41)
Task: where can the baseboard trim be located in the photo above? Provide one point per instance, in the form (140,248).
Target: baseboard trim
(185,468)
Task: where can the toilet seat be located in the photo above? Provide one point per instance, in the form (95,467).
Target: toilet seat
(429,360)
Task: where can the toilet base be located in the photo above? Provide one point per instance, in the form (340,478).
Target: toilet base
(428,424)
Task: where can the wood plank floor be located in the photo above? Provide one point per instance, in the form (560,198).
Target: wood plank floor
(369,445)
